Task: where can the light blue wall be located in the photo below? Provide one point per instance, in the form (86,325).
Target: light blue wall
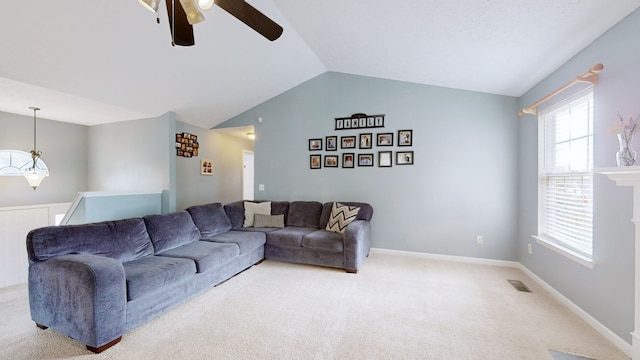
(606,292)
(136,155)
(96,207)
(225,185)
(64,150)
(463,182)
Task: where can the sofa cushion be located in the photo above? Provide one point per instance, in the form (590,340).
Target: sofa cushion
(153,272)
(210,219)
(206,254)
(245,240)
(365,213)
(124,240)
(251,208)
(289,236)
(304,214)
(325,240)
(341,216)
(268,221)
(235,213)
(168,231)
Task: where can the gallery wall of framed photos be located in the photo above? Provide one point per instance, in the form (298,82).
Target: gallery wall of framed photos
(365,148)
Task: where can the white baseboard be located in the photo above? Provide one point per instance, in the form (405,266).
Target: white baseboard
(462,259)
(603,330)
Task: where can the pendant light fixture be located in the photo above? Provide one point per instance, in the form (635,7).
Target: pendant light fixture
(35,175)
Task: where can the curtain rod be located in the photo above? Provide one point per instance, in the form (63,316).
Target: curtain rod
(591,76)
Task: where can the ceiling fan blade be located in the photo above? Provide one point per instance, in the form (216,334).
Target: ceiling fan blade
(251,17)
(183,34)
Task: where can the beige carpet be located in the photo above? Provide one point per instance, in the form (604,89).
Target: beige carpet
(396,307)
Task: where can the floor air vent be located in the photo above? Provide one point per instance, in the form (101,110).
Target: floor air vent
(519,285)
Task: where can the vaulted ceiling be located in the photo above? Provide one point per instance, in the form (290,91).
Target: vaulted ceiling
(93,62)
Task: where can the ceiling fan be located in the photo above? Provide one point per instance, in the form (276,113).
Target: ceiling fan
(184,14)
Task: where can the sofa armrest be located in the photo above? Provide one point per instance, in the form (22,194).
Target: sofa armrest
(82,296)
(357,243)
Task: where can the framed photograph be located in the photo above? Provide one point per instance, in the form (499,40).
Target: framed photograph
(379,121)
(315,161)
(315,144)
(366,141)
(347,160)
(331,143)
(385,159)
(331,161)
(365,159)
(404,157)
(348,142)
(405,137)
(385,139)
(206,167)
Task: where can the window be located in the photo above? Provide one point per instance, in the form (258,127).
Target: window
(565,179)
(15,162)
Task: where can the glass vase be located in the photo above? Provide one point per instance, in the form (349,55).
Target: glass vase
(626,156)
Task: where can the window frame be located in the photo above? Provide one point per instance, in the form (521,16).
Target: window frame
(579,180)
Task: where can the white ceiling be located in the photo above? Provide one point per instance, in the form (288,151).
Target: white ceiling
(93,62)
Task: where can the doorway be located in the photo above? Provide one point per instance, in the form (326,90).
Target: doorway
(247,175)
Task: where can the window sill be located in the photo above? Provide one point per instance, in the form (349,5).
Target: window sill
(579,258)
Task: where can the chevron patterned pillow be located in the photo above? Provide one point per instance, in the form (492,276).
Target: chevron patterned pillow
(341,216)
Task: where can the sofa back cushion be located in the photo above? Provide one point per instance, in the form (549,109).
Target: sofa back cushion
(168,231)
(124,240)
(210,219)
(365,213)
(304,214)
(235,211)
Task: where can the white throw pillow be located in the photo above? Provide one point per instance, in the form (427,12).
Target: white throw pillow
(251,208)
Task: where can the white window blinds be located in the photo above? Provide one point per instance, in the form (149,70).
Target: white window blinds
(566,183)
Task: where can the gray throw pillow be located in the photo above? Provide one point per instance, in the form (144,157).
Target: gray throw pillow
(266,221)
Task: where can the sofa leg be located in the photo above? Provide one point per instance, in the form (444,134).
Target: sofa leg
(352,271)
(42,326)
(104,347)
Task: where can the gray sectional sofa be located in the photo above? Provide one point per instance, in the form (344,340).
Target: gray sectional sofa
(93,282)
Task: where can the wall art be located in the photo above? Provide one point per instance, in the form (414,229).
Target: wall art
(315,144)
(404,157)
(359,121)
(315,161)
(385,158)
(186,144)
(206,167)
(331,161)
(405,137)
(365,159)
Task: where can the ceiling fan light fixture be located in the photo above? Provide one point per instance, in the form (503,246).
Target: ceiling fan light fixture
(194,15)
(205,4)
(151,5)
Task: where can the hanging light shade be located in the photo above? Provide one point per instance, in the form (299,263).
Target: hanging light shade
(205,4)
(34,175)
(151,5)
(194,15)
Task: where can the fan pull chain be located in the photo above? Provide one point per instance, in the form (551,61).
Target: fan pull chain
(173,23)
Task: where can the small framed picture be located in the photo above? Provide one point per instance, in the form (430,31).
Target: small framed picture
(404,157)
(365,159)
(347,160)
(405,137)
(315,144)
(330,161)
(339,124)
(347,124)
(315,161)
(348,142)
(379,121)
(385,159)
(331,143)
(385,139)
(366,141)
(354,123)
(206,167)
(362,122)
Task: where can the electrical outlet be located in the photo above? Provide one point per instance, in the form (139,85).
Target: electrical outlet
(529,249)
(480,239)
(260,187)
